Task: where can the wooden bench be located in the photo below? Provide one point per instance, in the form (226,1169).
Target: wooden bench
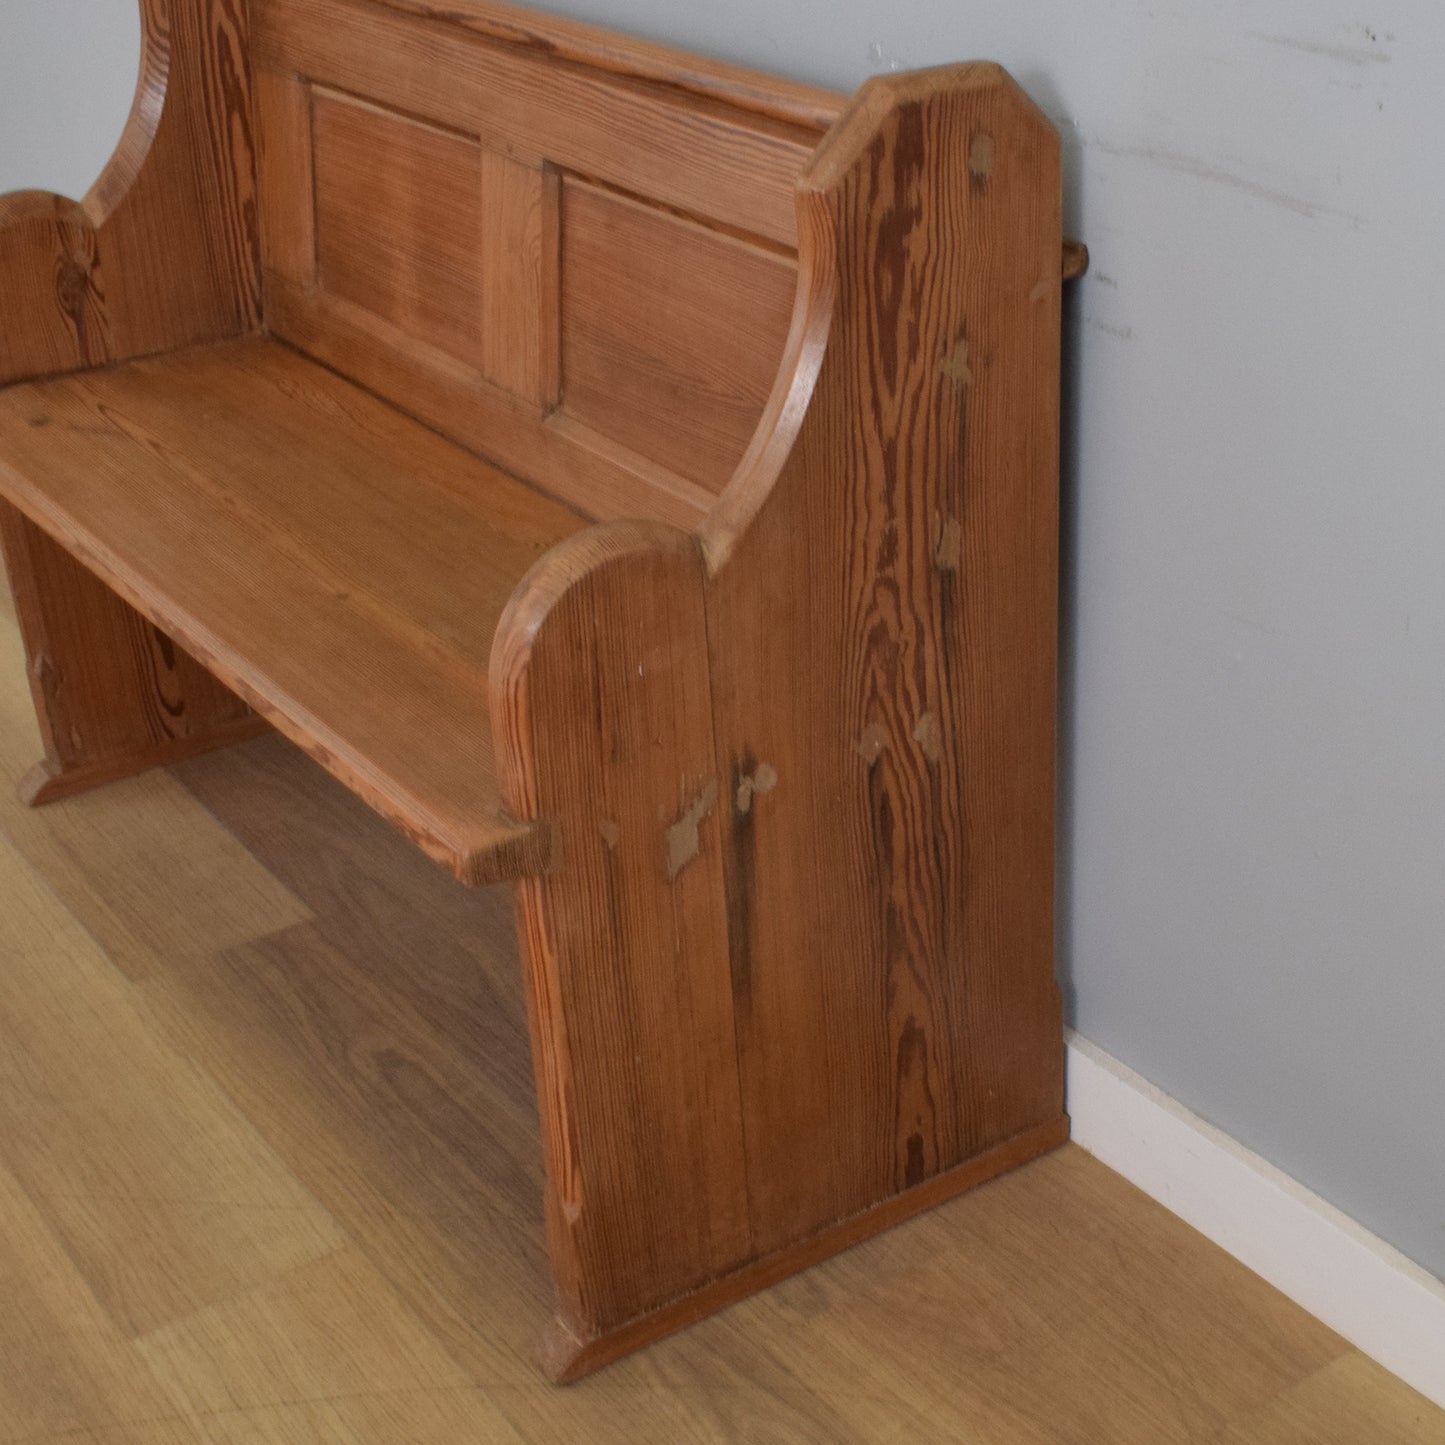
(636,478)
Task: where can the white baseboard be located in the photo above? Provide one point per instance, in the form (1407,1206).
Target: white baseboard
(1384,1304)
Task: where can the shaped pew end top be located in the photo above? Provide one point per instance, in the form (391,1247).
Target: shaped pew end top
(800,759)
(163,252)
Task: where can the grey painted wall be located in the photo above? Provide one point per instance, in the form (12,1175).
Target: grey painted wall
(68,72)
(1253,869)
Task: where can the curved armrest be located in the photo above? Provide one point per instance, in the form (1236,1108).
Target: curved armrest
(162,253)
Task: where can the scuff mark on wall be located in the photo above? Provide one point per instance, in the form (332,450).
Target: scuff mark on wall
(880,58)
(1347,54)
(1187,165)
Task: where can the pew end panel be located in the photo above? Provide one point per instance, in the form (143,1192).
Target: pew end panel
(791,974)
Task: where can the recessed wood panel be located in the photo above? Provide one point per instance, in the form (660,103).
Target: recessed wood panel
(671,333)
(399,221)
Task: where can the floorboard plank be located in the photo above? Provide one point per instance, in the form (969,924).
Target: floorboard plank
(328,1330)
(65,1369)
(1352,1401)
(162,1193)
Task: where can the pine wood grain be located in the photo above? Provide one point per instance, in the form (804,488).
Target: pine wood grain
(285,177)
(625,341)
(520,277)
(671,333)
(555,37)
(418,241)
(177,479)
(901,558)
(630,993)
(398,215)
(874,1011)
(704,156)
(591,473)
(163,251)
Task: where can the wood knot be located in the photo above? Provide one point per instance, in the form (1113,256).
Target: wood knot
(72,283)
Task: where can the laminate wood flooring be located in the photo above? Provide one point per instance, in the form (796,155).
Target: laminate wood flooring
(269,1175)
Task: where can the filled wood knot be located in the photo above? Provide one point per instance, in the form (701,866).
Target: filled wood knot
(684,838)
(948,550)
(871,743)
(980,157)
(763,779)
(929,737)
(954,364)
